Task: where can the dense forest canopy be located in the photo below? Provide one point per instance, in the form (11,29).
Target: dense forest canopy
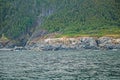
(19,18)
(86,17)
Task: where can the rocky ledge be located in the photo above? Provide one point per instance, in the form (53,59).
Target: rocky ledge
(74,43)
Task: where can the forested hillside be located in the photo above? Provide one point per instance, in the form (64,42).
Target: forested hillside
(86,17)
(19,18)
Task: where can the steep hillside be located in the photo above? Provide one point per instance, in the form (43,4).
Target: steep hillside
(19,18)
(86,17)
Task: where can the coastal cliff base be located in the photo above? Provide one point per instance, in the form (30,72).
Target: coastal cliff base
(74,43)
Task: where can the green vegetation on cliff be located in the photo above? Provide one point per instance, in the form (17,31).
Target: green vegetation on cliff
(18,18)
(85,17)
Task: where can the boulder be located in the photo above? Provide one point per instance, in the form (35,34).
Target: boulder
(104,40)
(10,44)
(1,46)
(88,43)
(108,43)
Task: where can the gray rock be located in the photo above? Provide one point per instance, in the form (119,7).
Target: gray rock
(117,46)
(108,43)
(10,44)
(1,46)
(88,43)
(104,40)
(76,44)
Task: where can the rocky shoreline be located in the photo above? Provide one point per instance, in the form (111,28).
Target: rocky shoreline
(78,43)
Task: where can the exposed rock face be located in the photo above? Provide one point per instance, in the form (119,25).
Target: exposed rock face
(10,44)
(109,43)
(75,43)
(88,43)
(1,46)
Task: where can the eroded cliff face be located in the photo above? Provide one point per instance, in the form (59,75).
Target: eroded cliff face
(74,43)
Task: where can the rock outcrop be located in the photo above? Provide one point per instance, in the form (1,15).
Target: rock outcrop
(11,44)
(1,46)
(108,43)
(74,43)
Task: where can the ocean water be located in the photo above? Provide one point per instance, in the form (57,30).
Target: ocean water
(60,65)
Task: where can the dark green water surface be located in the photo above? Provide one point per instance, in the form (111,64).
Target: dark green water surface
(60,65)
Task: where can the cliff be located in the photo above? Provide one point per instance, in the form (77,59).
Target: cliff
(74,43)
(22,19)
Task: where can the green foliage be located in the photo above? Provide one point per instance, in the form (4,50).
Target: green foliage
(4,38)
(70,17)
(17,17)
(90,17)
